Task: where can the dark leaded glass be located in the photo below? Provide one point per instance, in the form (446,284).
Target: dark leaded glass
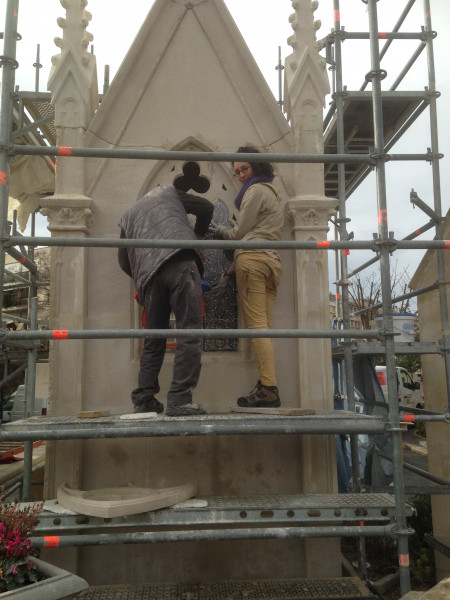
(221,312)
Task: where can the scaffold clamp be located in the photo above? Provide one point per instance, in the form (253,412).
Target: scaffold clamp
(390,243)
(7,60)
(432,155)
(376,73)
(427,34)
(397,531)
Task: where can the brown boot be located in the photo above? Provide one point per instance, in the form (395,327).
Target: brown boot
(261,397)
(246,398)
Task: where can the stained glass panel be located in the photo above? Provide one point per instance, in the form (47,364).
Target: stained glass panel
(220,312)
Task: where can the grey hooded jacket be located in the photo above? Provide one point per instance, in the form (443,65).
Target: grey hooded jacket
(161,215)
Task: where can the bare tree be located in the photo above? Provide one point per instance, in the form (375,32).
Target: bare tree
(365,292)
(42,258)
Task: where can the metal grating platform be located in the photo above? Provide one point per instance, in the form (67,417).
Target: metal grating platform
(287,589)
(400,110)
(235,510)
(377,348)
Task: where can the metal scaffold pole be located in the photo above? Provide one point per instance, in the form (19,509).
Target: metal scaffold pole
(376,75)
(9,65)
(341,219)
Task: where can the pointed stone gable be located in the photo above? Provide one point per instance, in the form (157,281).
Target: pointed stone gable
(188,75)
(189,82)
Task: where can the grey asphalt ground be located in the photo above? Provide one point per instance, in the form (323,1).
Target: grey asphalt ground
(414,457)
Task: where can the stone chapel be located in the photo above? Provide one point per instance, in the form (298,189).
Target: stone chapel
(188,82)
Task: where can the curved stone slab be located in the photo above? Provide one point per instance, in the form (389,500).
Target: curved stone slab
(122,501)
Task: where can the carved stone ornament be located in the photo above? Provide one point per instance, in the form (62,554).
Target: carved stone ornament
(311,218)
(311,213)
(68,219)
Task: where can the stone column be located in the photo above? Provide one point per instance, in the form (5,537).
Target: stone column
(68,270)
(435,394)
(309,216)
(306,85)
(74,87)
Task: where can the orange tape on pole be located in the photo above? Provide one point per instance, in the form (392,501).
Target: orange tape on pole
(447,244)
(382,216)
(51,541)
(60,334)
(408,418)
(403,560)
(325,244)
(65,151)
(3,178)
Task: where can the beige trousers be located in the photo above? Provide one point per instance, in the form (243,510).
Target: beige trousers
(257,277)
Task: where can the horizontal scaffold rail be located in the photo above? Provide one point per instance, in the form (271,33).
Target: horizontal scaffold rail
(384,35)
(266,533)
(69,427)
(11,241)
(93,334)
(132,153)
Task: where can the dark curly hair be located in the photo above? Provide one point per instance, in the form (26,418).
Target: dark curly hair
(259,168)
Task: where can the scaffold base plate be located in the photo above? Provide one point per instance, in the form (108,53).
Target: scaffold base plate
(349,588)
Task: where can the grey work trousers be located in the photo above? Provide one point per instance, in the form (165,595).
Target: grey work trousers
(175,287)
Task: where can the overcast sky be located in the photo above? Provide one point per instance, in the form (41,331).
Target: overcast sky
(264,25)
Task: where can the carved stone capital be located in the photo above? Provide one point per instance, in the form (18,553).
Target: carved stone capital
(68,215)
(310,215)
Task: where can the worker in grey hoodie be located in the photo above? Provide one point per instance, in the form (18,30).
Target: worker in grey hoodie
(166,280)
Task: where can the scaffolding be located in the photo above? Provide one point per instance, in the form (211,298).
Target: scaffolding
(348,158)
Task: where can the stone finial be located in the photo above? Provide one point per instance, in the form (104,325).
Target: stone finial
(73,77)
(306,86)
(75,35)
(74,87)
(303,24)
(305,63)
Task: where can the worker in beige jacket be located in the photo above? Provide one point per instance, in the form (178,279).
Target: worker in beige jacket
(258,272)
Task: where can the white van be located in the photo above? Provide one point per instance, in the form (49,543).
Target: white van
(18,407)
(408,391)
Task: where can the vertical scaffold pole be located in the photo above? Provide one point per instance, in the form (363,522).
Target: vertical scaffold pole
(338,97)
(9,65)
(375,76)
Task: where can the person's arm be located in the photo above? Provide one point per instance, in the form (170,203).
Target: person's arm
(201,208)
(124,262)
(248,216)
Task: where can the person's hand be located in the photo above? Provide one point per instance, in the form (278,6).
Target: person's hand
(219,288)
(216,228)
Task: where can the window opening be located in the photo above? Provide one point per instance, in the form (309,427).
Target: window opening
(221,312)
(191,179)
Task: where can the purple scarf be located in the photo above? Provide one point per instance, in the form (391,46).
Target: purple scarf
(247,184)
